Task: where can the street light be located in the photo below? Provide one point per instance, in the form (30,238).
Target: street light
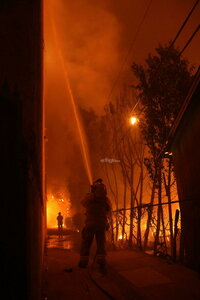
(133,120)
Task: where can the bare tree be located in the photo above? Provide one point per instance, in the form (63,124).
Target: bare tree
(129,149)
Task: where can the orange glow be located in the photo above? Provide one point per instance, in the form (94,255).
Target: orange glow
(152,231)
(54,206)
(133,120)
(168,153)
(81,135)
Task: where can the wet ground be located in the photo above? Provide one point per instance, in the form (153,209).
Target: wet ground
(63,279)
(130,275)
(64,242)
(69,240)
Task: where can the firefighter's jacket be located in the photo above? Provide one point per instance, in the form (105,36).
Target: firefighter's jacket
(97,209)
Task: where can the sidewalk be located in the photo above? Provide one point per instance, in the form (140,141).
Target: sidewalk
(155,279)
(131,275)
(81,284)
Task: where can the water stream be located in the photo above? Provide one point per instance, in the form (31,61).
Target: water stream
(83,143)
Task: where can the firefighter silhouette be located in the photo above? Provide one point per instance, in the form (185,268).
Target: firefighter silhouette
(97,209)
(60,224)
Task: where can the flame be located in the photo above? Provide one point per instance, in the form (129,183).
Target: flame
(152,229)
(54,206)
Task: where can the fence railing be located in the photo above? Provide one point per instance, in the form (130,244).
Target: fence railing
(168,244)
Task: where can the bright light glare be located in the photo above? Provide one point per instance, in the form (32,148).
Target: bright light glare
(168,153)
(133,120)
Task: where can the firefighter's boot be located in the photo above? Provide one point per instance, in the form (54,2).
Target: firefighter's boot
(83,261)
(101,260)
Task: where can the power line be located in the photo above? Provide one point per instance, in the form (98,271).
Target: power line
(184,23)
(168,49)
(170,46)
(174,40)
(177,36)
(190,39)
(135,37)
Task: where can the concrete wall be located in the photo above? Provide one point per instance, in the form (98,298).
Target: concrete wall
(22,209)
(186,153)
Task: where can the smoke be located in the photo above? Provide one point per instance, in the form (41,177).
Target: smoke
(89,37)
(94,37)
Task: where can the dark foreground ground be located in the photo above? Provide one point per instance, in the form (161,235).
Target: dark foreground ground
(130,275)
